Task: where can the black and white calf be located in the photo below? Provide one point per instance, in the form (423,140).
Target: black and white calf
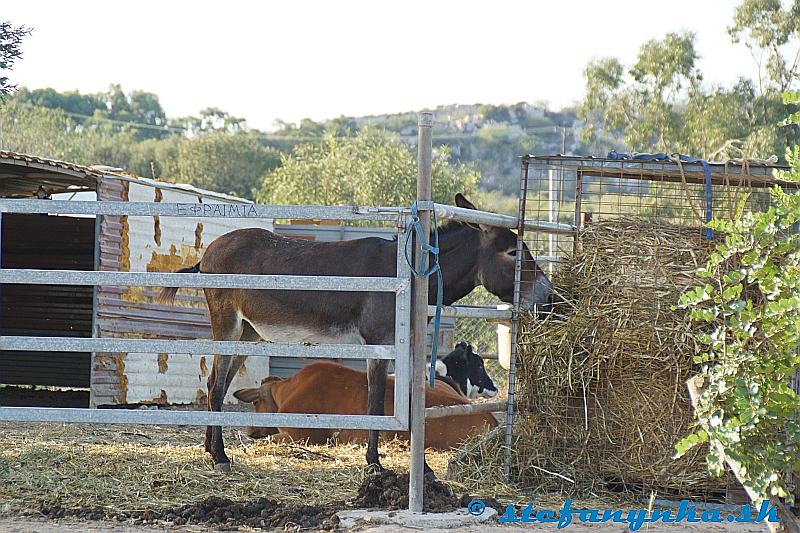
(466,368)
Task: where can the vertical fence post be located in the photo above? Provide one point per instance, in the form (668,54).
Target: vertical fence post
(98,224)
(551,216)
(512,365)
(2,328)
(420,317)
(402,332)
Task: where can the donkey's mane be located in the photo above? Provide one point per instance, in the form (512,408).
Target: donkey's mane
(451,226)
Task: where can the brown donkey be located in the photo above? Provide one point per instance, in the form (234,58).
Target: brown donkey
(470,255)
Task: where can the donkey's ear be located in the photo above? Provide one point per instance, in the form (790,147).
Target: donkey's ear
(247,395)
(461,201)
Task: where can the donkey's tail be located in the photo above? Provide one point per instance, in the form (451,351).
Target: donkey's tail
(167,295)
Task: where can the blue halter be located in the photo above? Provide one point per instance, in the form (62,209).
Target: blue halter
(416,227)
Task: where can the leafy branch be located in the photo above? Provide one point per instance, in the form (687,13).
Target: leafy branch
(748,318)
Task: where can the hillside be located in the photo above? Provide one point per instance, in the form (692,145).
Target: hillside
(492,137)
(219,151)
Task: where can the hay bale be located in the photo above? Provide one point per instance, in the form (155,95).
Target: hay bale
(600,384)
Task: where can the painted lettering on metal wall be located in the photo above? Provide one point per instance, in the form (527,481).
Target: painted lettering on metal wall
(217,210)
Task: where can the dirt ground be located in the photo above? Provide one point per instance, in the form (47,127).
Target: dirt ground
(117,475)
(23,525)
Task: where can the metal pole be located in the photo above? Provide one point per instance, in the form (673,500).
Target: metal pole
(1,286)
(420,318)
(98,223)
(402,335)
(551,200)
(512,370)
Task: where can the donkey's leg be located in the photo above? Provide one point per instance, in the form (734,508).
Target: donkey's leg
(248,334)
(376,385)
(225,326)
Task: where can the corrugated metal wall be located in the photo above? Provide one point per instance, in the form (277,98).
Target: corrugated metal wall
(46,242)
(154,244)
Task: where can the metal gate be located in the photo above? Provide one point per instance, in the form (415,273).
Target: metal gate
(399,285)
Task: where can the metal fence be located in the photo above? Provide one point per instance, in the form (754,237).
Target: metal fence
(400,285)
(409,385)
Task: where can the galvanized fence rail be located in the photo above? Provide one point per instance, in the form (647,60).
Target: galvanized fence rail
(399,285)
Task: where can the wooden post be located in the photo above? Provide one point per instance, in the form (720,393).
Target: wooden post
(420,317)
(788,523)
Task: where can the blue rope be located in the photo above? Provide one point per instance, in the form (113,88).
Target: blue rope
(416,227)
(686,159)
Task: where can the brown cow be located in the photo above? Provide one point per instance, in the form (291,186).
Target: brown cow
(325,387)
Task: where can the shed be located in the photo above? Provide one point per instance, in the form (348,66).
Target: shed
(116,243)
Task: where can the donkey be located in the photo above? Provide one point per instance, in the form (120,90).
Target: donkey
(470,255)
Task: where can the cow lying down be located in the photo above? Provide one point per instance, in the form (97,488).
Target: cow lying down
(325,387)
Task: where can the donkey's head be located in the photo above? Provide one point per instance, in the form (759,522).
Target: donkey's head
(496,261)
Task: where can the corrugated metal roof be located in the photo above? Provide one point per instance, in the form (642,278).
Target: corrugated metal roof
(21,175)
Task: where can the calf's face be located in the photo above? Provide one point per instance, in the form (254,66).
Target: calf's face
(261,398)
(467,369)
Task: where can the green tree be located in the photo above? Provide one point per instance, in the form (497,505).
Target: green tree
(69,101)
(307,128)
(142,110)
(210,119)
(232,163)
(644,106)
(769,30)
(51,133)
(370,168)
(496,149)
(10,50)
(660,104)
(37,130)
(495,113)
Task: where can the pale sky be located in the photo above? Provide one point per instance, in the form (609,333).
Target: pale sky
(322,59)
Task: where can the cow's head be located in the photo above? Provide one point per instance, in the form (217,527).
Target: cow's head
(261,398)
(496,265)
(466,368)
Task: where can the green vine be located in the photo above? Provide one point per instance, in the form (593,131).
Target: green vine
(748,313)
(748,318)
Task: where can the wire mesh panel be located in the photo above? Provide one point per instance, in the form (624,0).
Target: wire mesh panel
(600,387)
(481,334)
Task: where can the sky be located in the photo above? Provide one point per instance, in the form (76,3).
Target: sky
(294,59)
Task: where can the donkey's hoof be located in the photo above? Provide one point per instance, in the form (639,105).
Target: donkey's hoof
(374,469)
(222,467)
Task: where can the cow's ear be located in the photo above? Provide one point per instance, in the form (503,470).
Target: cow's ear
(247,395)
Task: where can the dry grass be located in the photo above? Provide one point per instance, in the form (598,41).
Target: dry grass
(601,382)
(124,469)
(130,468)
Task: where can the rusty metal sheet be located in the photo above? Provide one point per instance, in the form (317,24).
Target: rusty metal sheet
(156,244)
